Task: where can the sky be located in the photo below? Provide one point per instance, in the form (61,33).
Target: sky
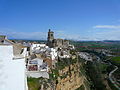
(69,19)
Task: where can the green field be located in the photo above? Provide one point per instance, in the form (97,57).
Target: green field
(116,60)
(33,83)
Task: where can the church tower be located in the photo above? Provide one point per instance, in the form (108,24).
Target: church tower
(50,38)
(50,35)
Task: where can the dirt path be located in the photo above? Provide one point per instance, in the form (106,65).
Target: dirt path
(111,78)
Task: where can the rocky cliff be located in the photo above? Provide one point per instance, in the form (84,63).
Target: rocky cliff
(68,74)
(72,77)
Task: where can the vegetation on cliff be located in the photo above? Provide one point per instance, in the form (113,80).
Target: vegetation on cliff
(67,71)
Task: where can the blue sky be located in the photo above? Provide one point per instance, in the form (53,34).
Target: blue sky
(70,19)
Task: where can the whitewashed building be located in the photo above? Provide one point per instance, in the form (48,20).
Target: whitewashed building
(37,68)
(53,53)
(37,46)
(85,56)
(12,69)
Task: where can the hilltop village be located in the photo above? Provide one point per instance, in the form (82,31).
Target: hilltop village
(20,60)
(58,65)
(43,57)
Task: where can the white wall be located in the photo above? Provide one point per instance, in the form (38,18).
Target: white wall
(12,72)
(37,46)
(53,54)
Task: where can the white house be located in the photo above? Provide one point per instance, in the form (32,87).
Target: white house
(85,56)
(37,46)
(37,68)
(51,52)
(12,70)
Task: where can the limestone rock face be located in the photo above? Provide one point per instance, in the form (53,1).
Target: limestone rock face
(73,78)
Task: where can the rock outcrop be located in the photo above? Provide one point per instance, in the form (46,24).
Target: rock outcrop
(71,78)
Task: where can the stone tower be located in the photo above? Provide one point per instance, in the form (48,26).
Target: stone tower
(50,38)
(50,35)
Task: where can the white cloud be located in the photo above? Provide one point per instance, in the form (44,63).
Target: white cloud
(104,34)
(41,35)
(24,35)
(107,26)
(112,34)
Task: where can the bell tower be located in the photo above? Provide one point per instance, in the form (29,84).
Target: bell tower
(50,38)
(50,35)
